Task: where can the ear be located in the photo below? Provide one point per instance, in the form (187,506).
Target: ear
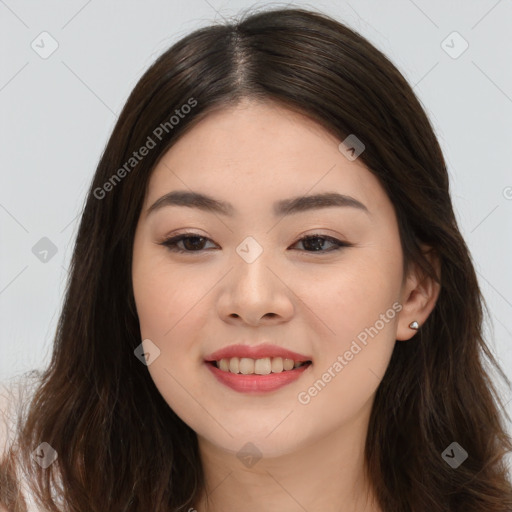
(418,295)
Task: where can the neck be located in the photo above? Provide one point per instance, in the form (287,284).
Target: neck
(326,475)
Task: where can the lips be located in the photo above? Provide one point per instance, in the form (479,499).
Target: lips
(256,352)
(257,383)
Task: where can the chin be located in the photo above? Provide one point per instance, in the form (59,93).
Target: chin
(253,442)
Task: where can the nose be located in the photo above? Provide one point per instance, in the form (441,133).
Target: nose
(255,294)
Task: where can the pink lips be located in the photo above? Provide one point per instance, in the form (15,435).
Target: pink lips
(256,384)
(257,352)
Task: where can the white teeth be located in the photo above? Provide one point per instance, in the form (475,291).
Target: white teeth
(233,364)
(246,365)
(264,366)
(288,364)
(277,364)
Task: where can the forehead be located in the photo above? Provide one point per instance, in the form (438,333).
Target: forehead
(261,153)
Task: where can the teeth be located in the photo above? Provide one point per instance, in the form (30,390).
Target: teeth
(288,364)
(233,364)
(224,365)
(277,364)
(246,366)
(264,366)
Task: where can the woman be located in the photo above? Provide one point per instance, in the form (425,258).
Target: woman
(270,303)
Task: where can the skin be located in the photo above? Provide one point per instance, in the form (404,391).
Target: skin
(312,302)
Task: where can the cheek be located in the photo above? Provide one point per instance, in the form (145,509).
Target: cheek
(173,313)
(358,305)
(163,294)
(354,296)
(170,315)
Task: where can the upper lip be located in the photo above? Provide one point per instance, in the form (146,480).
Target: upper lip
(255,352)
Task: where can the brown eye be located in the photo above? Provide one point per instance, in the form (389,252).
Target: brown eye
(318,243)
(191,243)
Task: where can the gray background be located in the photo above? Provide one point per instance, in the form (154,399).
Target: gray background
(57,113)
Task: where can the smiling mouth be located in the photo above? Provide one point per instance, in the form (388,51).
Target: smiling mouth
(263,366)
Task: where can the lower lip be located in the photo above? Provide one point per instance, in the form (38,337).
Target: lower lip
(257,383)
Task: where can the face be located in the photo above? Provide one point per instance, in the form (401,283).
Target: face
(322,280)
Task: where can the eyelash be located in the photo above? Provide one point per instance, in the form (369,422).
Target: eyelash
(171,243)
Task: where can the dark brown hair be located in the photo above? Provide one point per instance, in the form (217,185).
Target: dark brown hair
(120,446)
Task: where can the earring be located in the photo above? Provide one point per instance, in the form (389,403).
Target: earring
(414,325)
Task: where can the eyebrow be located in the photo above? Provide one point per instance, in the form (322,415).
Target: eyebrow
(283,207)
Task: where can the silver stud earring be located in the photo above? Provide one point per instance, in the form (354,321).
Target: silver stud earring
(414,325)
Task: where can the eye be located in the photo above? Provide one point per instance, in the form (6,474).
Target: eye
(195,243)
(191,243)
(316,243)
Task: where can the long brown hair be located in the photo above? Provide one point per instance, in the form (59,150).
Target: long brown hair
(120,446)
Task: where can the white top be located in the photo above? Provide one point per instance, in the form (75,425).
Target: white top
(10,397)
